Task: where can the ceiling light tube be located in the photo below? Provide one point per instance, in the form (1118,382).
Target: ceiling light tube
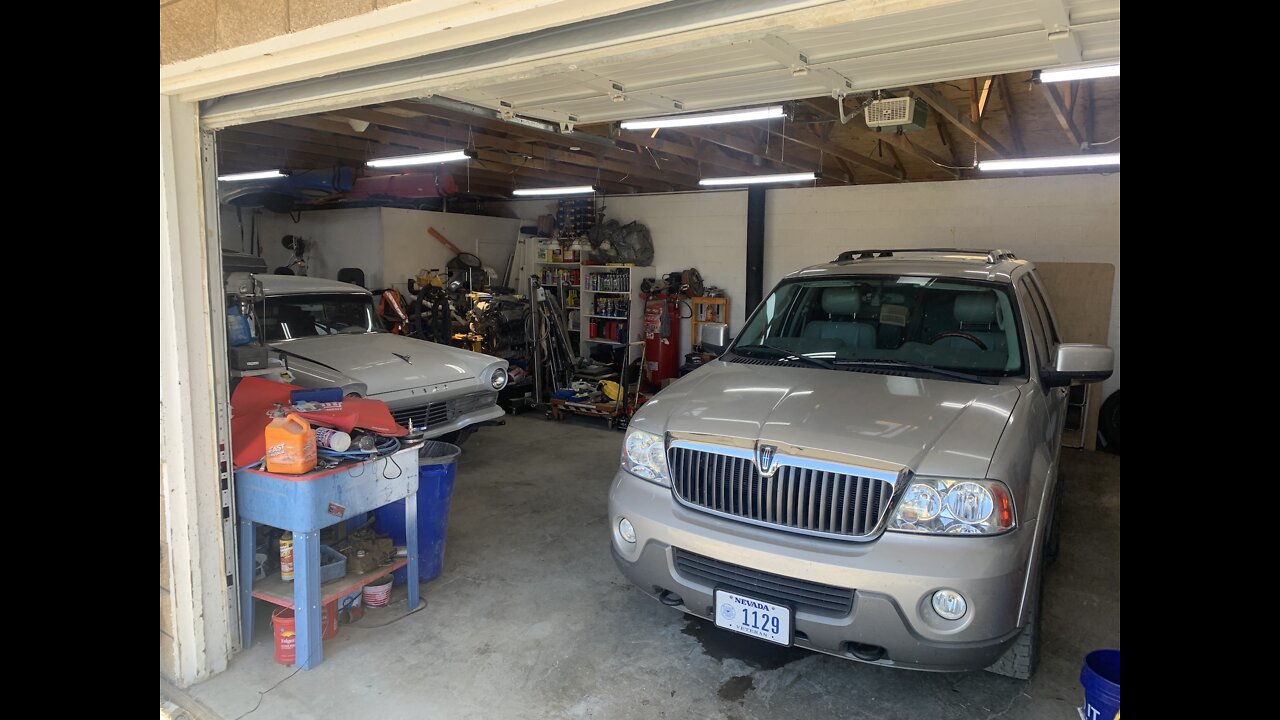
(256,175)
(1046,163)
(715,118)
(756,179)
(1080,73)
(425,159)
(570,190)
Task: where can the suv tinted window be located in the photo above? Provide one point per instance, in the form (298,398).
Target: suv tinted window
(941,322)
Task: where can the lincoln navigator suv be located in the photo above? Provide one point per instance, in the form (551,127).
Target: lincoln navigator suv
(869,470)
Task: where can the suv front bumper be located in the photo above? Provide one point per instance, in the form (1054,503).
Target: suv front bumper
(893,579)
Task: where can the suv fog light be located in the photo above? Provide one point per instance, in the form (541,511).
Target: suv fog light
(949,604)
(628,533)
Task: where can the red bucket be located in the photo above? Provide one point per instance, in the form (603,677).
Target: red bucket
(329,620)
(285,631)
(286,638)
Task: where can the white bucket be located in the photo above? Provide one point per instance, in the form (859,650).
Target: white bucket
(377,594)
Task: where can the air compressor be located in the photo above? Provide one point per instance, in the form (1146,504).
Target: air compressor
(661,339)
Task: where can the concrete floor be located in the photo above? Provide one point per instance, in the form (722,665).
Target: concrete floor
(530,619)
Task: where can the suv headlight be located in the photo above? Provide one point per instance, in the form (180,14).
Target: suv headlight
(644,456)
(954,507)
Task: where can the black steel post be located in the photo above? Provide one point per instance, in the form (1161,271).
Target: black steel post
(755,248)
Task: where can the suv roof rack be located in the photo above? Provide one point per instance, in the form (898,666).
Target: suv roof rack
(993,256)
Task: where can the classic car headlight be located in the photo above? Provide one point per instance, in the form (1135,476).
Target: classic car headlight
(954,507)
(498,378)
(644,456)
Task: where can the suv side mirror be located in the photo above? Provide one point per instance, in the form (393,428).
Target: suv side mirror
(1078,363)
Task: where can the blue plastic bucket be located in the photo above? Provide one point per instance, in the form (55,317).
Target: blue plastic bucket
(1100,677)
(437,467)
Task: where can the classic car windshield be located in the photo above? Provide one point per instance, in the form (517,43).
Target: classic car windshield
(293,316)
(934,322)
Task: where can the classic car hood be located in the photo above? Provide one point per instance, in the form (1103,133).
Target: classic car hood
(373,359)
(930,426)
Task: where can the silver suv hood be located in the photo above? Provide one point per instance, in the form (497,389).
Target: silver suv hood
(933,427)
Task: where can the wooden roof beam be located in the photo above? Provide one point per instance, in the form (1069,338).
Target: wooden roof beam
(1015,125)
(618,161)
(815,139)
(490,148)
(948,111)
(1063,114)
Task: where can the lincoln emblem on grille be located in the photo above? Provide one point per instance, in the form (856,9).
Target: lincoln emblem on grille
(764,459)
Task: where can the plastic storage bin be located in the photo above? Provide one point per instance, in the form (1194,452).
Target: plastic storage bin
(333,564)
(437,467)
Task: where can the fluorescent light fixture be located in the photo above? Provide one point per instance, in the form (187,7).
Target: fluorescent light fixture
(1044,163)
(570,190)
(756,179)
(427,159)
(1080,73)
(257,175)
(715,118)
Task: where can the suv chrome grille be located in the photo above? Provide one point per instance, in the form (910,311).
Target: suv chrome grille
(432,414)
(798,499)
(800,593)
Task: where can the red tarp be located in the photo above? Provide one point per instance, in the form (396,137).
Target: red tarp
(254,397)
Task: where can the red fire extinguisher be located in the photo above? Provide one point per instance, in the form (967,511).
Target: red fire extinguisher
(661,339)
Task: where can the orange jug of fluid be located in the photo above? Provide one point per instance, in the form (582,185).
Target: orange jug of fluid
(291,445)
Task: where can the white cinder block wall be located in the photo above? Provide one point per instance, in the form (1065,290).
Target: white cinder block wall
(335,239)
(389,244)
(1070,218)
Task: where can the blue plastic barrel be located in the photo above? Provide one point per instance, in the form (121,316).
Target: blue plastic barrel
(1100,677)
(437,466)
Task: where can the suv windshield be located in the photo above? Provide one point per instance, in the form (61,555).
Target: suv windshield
(294,316)
(928,323)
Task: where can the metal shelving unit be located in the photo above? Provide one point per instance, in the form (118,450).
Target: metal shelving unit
(617,288)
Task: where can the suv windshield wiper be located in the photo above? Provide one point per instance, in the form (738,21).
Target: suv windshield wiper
(789,354)
(904,365)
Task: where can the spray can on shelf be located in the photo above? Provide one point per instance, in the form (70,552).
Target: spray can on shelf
(286,556)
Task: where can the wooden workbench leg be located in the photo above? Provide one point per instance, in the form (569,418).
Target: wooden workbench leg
(306,598)
(411,538)
(248,559)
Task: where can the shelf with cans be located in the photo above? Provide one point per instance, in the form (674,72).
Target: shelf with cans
(613,303)
(603,304)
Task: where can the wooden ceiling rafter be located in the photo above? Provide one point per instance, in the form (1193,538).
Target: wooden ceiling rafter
(948,111)
(901,142)
(454,135)
(520,152)
(1063,113)
(485,125)
(1011,113)
(491,150)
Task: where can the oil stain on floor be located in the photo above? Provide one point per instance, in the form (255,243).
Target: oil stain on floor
(736,688)
(722,645)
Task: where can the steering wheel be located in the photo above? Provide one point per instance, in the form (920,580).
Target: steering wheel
(962,335)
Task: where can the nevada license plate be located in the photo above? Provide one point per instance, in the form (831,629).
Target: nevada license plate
(757,618)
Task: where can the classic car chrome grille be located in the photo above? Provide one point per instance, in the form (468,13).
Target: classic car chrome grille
(767,586)
(432,414)
(798,499)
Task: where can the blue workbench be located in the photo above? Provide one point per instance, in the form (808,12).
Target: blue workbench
(306,504)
